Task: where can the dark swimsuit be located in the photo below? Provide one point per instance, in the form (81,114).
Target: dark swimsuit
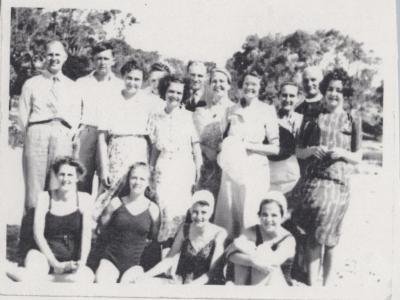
(63,234)
(287,265)
(126,237)
(192,263)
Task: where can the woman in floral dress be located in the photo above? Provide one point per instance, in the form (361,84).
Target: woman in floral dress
(176,156)
(331,143)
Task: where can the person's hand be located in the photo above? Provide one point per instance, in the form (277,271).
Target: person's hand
(318,151)
(105,178)
(337,153)
(65,267)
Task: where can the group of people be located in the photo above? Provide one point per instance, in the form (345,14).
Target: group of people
(194,188)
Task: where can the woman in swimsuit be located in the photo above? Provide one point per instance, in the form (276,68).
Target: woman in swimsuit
(199,246)
(262,255)
(131,221)
(61,231)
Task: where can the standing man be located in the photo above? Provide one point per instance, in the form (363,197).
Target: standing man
(312,104)
(197,72)
(96,91)
(49,113)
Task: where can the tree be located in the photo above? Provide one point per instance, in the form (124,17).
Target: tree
(79,30)
(280,58)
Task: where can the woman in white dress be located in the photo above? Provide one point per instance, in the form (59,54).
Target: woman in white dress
(243,158)
(175,156)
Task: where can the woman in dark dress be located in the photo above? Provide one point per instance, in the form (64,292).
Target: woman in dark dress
(61,231)
(131,221)
(331,144)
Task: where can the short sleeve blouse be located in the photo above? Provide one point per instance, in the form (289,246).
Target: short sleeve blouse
(173,132)
(258,121)
(127,116)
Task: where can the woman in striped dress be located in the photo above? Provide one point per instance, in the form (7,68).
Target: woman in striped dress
(331,143)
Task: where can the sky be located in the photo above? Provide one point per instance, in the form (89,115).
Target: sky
(213,30)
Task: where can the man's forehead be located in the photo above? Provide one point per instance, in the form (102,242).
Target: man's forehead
(312,72)
(107,52)
(55,47)
(198,68)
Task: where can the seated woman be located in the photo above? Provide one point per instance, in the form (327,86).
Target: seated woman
(199,246)
(263,254)
(61,231)
(130,221)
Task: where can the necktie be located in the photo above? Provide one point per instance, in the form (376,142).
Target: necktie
(55,92)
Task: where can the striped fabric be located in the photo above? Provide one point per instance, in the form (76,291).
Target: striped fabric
(321,197)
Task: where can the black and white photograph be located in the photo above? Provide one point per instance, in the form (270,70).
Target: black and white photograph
(199,149)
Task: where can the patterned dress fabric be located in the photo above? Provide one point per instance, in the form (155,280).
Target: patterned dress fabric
(173,135)
(209,124)
(321,196)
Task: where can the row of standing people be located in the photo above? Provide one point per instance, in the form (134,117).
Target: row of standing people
(184,152)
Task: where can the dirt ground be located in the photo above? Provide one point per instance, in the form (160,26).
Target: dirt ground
(364,254)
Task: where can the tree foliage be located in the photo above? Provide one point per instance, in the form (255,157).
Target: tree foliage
(78,29)
(282,58)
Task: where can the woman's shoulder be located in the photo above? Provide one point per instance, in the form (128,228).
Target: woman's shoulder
(284,234)
(218,231)
(250,232)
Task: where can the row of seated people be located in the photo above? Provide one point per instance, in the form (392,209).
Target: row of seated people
(61,235)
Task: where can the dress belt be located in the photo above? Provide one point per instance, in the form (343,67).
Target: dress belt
(62,121)
(115,136)
(87,125)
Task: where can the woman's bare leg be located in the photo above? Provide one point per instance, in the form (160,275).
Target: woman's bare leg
(313,253)
(36,268)
(327,264)
(83,275)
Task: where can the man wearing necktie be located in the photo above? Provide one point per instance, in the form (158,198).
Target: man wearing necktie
(197,72)
(49,112)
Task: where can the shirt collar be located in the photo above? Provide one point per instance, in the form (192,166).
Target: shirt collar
(59,76)
(316,98)
(110,77)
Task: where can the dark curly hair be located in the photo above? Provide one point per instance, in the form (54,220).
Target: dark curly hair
(337,74)
(160,67)
(132,65)
(166,81)
(68,160)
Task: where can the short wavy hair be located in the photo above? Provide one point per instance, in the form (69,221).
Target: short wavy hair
(341,75)
(166,81)
(132,65)
(68,160)
(160,67)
